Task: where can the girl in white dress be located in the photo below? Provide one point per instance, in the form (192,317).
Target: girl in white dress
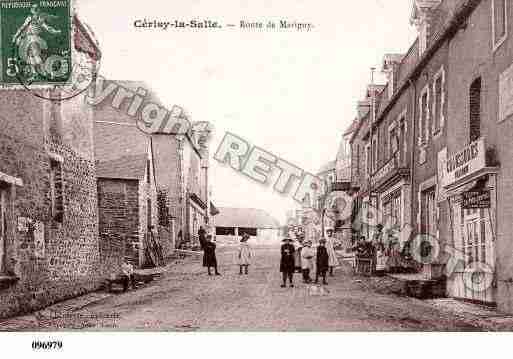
(333,260)
(244,254)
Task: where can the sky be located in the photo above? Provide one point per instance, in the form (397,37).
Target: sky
(291,93)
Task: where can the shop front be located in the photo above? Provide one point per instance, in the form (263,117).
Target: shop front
(392,186)
(470,188)
(381,217)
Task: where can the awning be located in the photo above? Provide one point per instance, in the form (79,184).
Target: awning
(194,197)
(213,210)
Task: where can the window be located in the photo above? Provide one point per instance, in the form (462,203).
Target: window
(392,209)
(148,171)
(438,102)
(375,153)
(330,179)
(473,224)
(367,160)
(357,159)
(3,224)
(55,123)
(422,38)
(383,142)
(149,213)
(402,139)
(424,116)
(163,209)
(391,83)
(475,110)
(56,190)
(393,140)
(428,223)
(500,22)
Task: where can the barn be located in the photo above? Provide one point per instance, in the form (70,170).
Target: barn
(232,223)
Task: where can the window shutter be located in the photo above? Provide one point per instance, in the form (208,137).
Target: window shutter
(475,110)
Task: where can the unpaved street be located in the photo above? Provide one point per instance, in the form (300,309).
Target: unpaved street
(186,299)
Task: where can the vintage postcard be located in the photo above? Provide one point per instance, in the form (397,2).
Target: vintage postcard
(255,166)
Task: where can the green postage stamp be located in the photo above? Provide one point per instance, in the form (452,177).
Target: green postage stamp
(35,41)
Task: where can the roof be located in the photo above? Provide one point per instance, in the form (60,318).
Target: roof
(330,166)
(85,39)
(245,218)
(120,150)
(352,127)
(127,167)
(389,59)
(113,141)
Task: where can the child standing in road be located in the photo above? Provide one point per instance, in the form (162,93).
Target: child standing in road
(209,256)
(322,262)
(307,254)
(287,262)
(244,254)
(333,261)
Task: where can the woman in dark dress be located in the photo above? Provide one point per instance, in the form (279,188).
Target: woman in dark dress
(209,255)
(202,235)
(323,262)
(287,264)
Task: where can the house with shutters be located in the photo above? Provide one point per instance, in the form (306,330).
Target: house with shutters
(432,153)
(48,196)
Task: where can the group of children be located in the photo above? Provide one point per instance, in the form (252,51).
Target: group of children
(303,258)
(292,259)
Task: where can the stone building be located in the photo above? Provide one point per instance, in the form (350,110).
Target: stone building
(185,182)
(48,198)
(181,164)
(127,196)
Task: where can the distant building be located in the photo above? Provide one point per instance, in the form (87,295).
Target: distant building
(232,223)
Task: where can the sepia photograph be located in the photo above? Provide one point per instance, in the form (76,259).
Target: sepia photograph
(254,166)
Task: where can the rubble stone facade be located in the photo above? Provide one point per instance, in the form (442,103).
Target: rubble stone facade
(46,257)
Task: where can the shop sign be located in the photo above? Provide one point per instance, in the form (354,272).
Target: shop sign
(477,199)
(464,163)
(384,171)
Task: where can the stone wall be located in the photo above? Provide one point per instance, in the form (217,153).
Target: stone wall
(46,260)
(118,208)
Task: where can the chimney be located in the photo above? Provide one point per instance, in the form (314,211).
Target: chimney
(422,18)
(391,63)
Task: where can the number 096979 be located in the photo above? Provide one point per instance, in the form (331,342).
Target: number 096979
(46,345)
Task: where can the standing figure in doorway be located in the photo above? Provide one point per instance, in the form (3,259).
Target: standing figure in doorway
(209,256)
(287,262)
